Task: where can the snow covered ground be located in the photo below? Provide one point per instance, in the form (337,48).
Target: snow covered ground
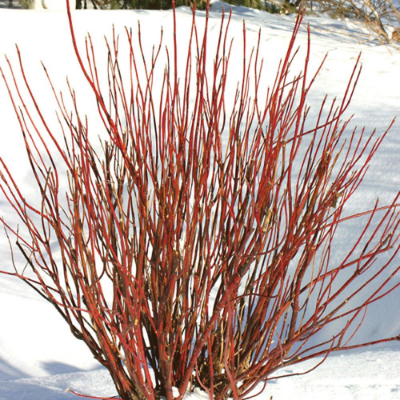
(369,375)
(39,358)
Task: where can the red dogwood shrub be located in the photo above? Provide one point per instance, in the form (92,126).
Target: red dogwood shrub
(195,250)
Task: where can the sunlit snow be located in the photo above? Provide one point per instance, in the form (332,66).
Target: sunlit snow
(39,358)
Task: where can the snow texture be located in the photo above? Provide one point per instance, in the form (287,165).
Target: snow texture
(39,358)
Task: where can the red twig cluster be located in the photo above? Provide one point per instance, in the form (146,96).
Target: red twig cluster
(195,250)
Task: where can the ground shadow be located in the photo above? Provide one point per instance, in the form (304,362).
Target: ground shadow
(7,372)
(56,368)
(14,384)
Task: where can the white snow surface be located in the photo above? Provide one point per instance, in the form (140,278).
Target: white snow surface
(39,358)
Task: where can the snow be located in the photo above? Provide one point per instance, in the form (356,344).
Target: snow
(39,358)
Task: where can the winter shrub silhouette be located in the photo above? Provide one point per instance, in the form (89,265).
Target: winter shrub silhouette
(195,250)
